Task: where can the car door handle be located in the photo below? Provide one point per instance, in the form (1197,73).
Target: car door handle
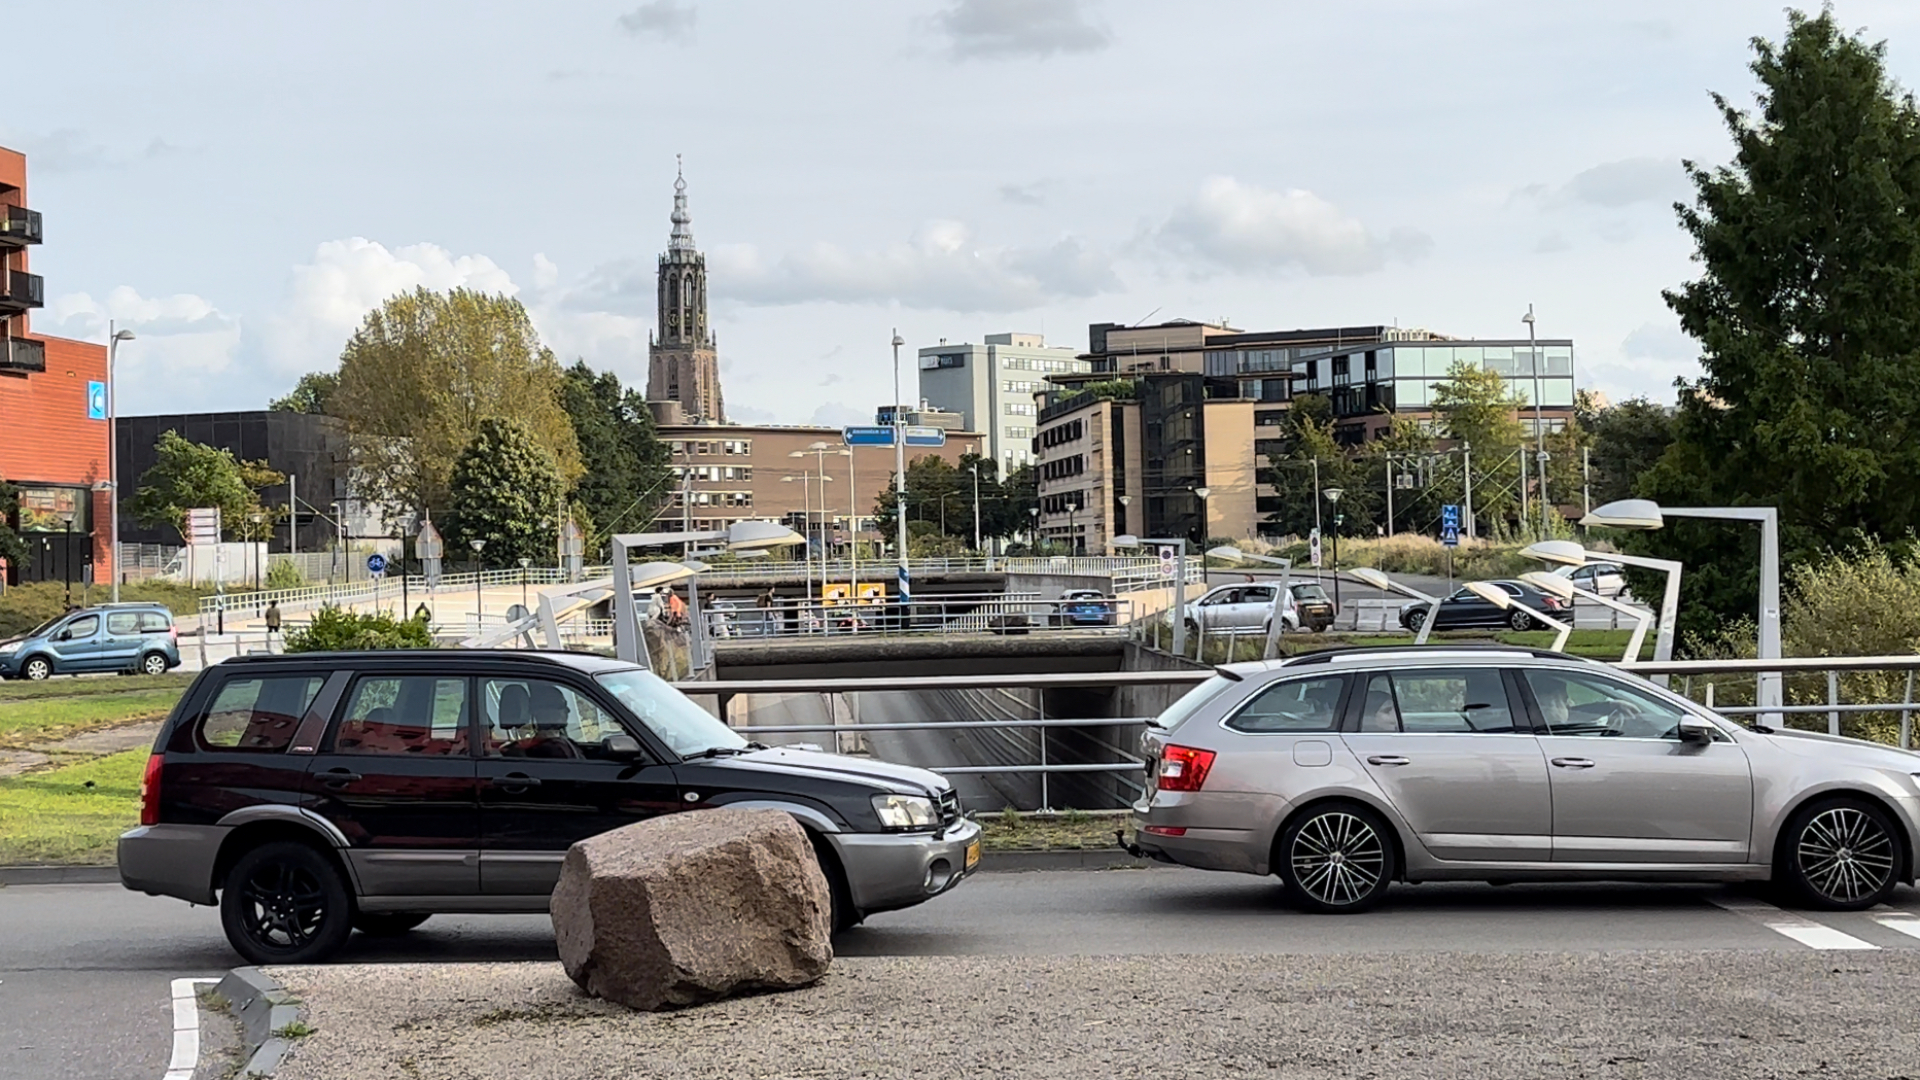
(333,777)
(515,780)
(1388,759)
(1573,763)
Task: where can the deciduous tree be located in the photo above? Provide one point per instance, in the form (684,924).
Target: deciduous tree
(627,473)
(188,475)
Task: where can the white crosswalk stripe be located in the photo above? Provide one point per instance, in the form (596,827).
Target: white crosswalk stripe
(1900,922)
(1803,930)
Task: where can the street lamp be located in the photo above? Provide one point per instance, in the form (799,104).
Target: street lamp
(1647,514)
(114,338)
(900,474)
(1500,598)
(478,606)
(1378,580)
(524,563)
(975,470)
(1567,590)
(1333,499)
(1033,530)
(253,537)
(806,496)
(1571,553)
(1124,524)
(1202,493)
(1539,427)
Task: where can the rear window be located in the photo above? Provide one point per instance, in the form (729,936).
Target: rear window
(1299,705)
(1177,713)
(155,622)
(123,622)
(255,714)
(1309,593)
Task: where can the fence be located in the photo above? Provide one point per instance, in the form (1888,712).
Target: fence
(1006,613)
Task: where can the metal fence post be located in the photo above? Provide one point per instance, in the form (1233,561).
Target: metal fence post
(1833,698)
(1906,715)
(1046,799)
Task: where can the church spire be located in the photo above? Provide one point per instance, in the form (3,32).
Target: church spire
(682,220)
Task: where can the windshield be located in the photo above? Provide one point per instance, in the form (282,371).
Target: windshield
(43,628)
(1177,713)
(668,713)
(1309,592)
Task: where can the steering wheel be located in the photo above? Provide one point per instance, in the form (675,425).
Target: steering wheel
(1620,715)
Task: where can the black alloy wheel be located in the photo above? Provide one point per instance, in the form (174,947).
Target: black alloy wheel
(1336,859)
(1840,855)
(285,903)
(388,923)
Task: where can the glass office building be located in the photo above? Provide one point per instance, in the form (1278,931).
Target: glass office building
(1402,377)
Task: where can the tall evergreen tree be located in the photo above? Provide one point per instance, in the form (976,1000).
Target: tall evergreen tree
(506,490)
(628,471)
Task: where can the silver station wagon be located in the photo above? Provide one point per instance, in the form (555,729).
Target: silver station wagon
(1345,771)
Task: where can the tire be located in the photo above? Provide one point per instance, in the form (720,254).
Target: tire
(388,924)
(1336,859)
(843,914)
(1520,620)
(1839,855)
(285,903)
(37,669)
(1413,620)
(153,664)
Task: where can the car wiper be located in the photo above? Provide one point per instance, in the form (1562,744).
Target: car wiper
(716,751)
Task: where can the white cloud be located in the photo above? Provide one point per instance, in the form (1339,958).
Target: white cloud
(1660,341)
(1613,185)
(994,29)
(840,414)
(662,19)
(1234,226)
(182,344)
(939,268)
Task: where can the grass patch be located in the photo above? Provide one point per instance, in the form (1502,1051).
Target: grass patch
(71,815)
(64,687)
(27,606)
(1072,830)
(299,1029)
(36,720)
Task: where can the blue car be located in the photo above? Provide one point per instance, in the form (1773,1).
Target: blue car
(1086,607)
(127,638)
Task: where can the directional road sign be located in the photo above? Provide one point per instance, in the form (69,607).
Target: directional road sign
(1450,525)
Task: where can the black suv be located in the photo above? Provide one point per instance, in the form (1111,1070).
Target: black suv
(315,793)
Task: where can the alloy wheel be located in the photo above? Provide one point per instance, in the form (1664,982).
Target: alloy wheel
(1338,859)
(38,670)
(283,906)
(1846,855)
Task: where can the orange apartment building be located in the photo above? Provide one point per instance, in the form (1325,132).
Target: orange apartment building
(53,427)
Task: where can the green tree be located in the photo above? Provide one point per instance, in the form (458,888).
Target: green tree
(1628,440)
(1306,450)
(1808,319)
(1019,494)
(628,470)
(334,630)
(506,491)
(312,394)
(1475,407)
(12,548)
(931,483)
(188,475)
(421,375)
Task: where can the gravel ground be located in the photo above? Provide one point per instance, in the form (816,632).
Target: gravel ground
(1626,1015)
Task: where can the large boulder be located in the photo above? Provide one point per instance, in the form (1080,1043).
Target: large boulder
(689,907)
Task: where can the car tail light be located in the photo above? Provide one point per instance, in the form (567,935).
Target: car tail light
(1552,603)
(1166,830)
(173,634)
(1183,768)
(150,792)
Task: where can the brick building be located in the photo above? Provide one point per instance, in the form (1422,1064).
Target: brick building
(53,427)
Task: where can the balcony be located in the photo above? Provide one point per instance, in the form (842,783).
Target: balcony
(19,226)
(22,355)
(22,291)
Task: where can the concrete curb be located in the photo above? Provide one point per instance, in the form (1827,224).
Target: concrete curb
(263,1007)
(1014,862)
(59,875)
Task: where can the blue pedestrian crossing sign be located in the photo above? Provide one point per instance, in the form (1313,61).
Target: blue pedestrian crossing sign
(1450,525)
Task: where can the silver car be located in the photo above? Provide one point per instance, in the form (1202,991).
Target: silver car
(1343,772)
(1241,608)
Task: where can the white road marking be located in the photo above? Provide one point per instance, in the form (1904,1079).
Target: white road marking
(1900,922)
(1805,931)
(186,1028)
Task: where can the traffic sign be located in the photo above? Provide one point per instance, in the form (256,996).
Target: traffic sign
(1450,525)
(203,525)
(867,436)
(1313,547)
(376,564)
(925,436)
(1167,565)
(96,401)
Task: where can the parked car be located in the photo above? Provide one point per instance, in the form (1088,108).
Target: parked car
(1467,609)
(1345,771)
(308,795)
(1241,609)
(127,638)
(1313,605)
(1606,579)
(1086,607)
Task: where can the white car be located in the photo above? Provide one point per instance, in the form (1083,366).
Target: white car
(1242,608)
(1606,579)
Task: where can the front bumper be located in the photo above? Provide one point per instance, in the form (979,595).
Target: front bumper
(9,665)
(888,871)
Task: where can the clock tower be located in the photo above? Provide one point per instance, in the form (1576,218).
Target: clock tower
(683,364)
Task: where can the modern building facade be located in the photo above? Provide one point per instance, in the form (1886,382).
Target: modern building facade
(683,359)
(1369,383)
(992,386)
(309,448)
(53,413)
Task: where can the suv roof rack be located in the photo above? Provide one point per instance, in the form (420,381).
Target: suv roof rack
(561,658)
(1327,656)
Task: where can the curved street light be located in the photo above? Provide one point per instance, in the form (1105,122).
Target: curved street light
(1566,590)
(1500,598)
(1377,580)
(1572,553)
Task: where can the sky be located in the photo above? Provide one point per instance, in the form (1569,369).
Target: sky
(240,183)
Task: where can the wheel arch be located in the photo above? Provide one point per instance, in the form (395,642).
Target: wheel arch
(1384,813)
(53,664)
(1904,830)
(267,828)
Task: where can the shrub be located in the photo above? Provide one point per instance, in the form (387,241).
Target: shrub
(333,630)
(285,575)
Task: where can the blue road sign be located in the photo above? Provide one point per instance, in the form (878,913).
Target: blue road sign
(1450,525)
(925,436)
(96,401)
(376,564)
(867,436)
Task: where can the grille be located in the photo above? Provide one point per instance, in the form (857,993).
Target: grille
(949,807)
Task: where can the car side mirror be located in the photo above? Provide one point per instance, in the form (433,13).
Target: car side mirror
(64,635)
(1694,729)
(621,746)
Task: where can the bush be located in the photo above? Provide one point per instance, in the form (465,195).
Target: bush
(1407,553)
(24,607)
(285,575)
(334,630)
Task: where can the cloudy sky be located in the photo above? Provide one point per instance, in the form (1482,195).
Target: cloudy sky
(240,182)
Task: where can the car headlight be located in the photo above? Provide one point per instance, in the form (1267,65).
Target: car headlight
(906,812)
(9,648)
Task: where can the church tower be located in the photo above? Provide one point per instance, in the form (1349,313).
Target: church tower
(683,365)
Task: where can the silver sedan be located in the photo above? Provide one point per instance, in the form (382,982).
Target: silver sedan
(1346,771)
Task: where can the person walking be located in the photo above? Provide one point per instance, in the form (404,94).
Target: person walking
(272,615)
(765,603)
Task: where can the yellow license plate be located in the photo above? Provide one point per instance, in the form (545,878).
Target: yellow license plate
(973,854)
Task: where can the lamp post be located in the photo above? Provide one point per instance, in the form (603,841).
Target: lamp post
(478,605)
(975,470)
(1333,497)
(1500,598)
(1202,493)
(524,563)
(1033,530)
(1568,591)
(806,530)
(1647,514)
(114,338)
(1571,553)
(1539,426)
(1125,524)
(1376,579)
(253,538)
(1073,528)
(900,475)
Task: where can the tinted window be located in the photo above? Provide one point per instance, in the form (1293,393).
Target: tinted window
(1310,593)
(257,714)
(1462,701)
(1176,714)
(123,622)
(155,622)
(1297,705)
(536,718)
(416,714)
(1576,703)
(83,627)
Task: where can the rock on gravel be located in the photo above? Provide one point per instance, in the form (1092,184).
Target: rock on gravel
(686,908)
(1697,1015)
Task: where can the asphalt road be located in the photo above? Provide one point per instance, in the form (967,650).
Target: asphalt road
(85,969)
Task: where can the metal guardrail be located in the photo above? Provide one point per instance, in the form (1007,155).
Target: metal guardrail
(1016,613)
